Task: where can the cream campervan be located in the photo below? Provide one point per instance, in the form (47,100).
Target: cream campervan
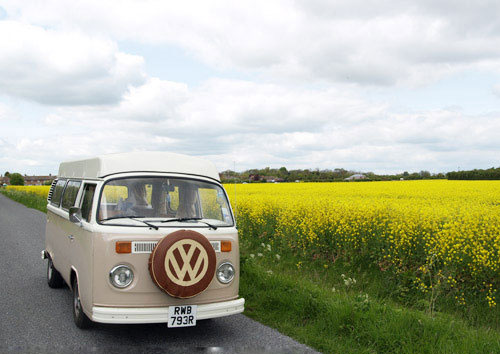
(143,237)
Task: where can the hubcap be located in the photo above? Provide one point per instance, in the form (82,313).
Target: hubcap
(76,302)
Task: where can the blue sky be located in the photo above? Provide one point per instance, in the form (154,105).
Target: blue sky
(171,63)
(387,87)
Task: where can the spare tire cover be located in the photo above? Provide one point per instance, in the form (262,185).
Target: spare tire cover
(183,263)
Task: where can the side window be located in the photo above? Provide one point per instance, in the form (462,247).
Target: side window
(58,190)
(70,193)
(88,197)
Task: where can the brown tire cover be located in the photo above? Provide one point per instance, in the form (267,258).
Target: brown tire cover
(183,263)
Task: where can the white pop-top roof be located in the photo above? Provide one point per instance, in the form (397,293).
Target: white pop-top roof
(144,161)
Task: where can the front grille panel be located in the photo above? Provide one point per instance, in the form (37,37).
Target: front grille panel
(143,247)
(148,246)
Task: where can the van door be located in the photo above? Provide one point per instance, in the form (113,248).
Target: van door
(81,248)
(53,230)
(68,228)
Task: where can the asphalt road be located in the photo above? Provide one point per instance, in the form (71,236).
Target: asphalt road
(37,319)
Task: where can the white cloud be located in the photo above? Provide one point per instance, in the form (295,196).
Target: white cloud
(63,68)
(53,119)
(398,42)
(304,112)
(496,90)
(255,124)
(234,107)
(4,112)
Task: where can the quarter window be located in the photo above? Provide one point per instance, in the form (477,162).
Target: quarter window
(88,197)
(58,190)
(70,193)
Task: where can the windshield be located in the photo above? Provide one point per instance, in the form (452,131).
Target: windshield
(159,199)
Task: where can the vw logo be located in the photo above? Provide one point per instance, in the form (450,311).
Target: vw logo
(186,262)
(183,264)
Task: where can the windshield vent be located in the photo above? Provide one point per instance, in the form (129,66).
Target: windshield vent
(51,190)
(143,247)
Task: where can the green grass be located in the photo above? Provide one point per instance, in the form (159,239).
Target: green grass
(31,200)
(314,305)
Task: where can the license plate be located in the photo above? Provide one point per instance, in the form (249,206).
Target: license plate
(182,316)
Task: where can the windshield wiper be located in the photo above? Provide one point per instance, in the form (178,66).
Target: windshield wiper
(190,219)
(133,217)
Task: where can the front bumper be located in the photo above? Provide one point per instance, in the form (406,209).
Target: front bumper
(160,314)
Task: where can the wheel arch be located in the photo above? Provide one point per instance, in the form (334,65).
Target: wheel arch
(72,276)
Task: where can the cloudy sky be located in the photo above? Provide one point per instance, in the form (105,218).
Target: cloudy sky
(382,86)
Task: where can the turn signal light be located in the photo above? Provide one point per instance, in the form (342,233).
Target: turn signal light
(225,246)
(123,247)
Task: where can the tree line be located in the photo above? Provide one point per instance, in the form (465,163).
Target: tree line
(316,175)
(489,174)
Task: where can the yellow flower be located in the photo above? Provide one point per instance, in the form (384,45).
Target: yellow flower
(433,226)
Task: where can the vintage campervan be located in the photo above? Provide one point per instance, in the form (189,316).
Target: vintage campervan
(143,237)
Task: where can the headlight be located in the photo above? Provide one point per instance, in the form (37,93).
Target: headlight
(121,276)
(225,272)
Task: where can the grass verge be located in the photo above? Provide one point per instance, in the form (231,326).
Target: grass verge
(31,200)
(302,304)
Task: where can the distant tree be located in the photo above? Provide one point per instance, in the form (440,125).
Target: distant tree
(7,174)
(283,173)
(425,174)
(16,179)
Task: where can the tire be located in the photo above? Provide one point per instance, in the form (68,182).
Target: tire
(80,318)
(54,278)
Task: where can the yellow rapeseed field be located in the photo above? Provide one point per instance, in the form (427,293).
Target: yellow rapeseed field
(39,190)
(443,233)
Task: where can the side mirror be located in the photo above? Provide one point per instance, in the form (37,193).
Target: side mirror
(75,215)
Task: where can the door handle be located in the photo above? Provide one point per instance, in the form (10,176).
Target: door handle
(71,237)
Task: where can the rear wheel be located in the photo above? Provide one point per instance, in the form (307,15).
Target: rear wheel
(81,319)
(54,278)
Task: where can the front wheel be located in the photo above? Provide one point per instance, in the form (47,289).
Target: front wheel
(81,319)
(54,278)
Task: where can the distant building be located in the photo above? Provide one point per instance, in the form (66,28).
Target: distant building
(38,180)
(273,179)
(254,178)
(355,177)
(30,180)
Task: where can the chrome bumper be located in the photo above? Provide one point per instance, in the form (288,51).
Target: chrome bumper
(160,314)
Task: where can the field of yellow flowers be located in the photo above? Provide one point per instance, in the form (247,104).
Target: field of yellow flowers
(444,234)
(42,191)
